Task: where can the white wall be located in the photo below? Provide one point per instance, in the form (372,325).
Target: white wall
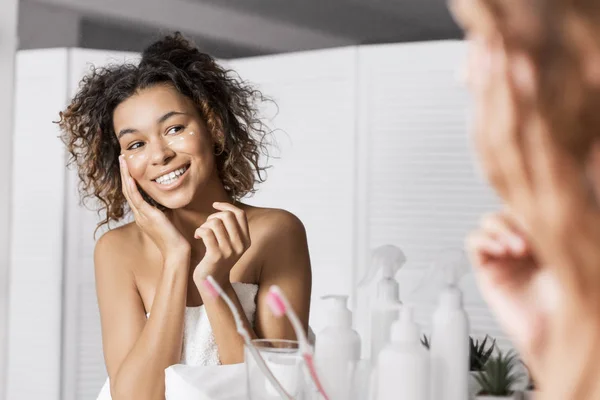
(8,46)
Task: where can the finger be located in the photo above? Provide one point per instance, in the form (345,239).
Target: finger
(124,180)
(514,166)
(233,229)
(501,228)
(483,247)
(216,226)
(126,187)
(134,197)
(241,217)
(490,121)
(208,237)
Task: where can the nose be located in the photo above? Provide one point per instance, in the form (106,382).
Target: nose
(161,152)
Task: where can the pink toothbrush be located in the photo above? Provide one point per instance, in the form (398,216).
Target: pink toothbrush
(215,290)
(280,306)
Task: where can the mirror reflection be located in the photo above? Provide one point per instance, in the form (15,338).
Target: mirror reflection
(241,191)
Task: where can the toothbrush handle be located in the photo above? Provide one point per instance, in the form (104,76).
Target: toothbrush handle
(311,371)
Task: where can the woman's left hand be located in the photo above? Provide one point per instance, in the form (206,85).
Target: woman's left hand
(226,237)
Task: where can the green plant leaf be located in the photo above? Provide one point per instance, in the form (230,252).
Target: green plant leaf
(480,352)
(499,374)
(425,342)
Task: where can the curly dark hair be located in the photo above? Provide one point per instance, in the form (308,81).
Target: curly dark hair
(228,106)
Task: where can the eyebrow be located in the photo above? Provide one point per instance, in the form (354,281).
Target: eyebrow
(162,119)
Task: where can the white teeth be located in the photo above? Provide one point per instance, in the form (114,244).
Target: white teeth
(171,177)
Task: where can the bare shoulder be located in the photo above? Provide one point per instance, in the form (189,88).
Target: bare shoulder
(275,224)
(116,244)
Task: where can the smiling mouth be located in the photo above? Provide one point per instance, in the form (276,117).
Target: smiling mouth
(172,177)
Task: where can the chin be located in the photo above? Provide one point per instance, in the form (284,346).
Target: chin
(174,201)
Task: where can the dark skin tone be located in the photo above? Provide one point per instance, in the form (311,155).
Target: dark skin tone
(158,264)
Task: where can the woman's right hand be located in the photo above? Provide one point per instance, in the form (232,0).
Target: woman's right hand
(151,220)
(520,290)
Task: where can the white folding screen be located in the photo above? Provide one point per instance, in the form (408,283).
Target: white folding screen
(313,174)
(421,188)
(38,209)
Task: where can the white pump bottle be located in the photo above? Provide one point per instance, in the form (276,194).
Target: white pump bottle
(450,341)
(337,350)
(384,310)
(403,365)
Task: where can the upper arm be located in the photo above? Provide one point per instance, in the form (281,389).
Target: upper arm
(122,311)
(286,264)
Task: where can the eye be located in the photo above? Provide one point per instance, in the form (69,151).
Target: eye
(135,146)
(175,130)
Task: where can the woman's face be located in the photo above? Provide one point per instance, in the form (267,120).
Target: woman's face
(166,145)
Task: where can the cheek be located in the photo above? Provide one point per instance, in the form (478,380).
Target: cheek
(191,143)
(136,164)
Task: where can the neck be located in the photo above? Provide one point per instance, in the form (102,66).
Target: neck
(192,216)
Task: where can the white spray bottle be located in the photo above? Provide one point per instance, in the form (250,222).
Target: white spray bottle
(450,338)
(384,310)
(337,350)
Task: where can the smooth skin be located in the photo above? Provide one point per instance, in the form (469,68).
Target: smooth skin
(158,263)
(537,260)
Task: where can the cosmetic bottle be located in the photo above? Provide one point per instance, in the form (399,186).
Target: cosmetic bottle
(337,350)
(449,348)
(383,310)
(403,365)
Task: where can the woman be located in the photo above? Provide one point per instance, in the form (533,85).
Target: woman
(176,138)
(533,69)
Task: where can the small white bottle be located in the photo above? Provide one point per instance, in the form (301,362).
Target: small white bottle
(449,350)
(403,365)
(337,350)
(384,310)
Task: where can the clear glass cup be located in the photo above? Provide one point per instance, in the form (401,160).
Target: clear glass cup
(285,362)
